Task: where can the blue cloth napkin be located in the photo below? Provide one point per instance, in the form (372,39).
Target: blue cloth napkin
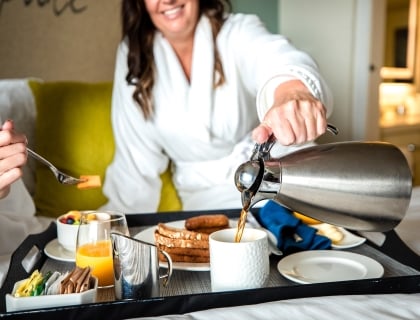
(287,228)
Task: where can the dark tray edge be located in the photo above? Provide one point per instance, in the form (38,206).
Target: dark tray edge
(194,302)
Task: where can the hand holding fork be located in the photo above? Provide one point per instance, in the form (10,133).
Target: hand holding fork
(61,177)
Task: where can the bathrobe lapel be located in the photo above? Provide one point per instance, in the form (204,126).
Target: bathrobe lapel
(194,101)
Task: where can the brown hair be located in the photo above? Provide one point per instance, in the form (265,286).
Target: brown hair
(139,30)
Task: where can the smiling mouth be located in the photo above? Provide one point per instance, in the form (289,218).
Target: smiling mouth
(173,11)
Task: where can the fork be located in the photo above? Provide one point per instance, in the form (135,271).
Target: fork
(61,177)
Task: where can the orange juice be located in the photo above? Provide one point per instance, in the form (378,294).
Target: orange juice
(98,256)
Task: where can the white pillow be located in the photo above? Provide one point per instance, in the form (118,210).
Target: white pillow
(17,103)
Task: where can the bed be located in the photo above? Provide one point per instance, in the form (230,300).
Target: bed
(381,306)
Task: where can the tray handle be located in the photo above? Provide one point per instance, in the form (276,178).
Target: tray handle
(397,249)
(27,257)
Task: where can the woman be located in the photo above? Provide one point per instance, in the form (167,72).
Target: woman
(192,85)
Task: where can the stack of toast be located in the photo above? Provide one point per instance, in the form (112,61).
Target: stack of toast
(191,243)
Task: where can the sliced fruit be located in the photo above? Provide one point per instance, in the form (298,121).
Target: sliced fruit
(306,219)
(330,231)
(90,183)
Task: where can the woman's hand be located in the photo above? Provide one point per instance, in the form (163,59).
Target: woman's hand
(295,117)
(12,156)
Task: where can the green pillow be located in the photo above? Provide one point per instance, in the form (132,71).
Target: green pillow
(169,199)
(73,131)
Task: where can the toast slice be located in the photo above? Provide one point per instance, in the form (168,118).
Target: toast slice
(178,233)
(180,243)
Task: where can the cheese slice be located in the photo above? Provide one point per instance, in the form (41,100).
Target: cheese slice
(92,181)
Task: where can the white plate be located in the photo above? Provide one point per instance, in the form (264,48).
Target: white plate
(55,251)
(349,240)
(327,266)
(147,235)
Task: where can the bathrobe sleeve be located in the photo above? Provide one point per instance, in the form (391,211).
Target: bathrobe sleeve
(266,60)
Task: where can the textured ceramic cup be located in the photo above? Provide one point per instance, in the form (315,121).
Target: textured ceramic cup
(238,265)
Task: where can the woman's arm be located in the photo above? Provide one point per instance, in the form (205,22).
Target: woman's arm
(295,117)
(293,100)
(12,157)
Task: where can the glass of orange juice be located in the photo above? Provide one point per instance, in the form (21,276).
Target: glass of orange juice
(94,248)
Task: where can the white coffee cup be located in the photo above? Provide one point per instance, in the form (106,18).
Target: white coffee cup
(238,265)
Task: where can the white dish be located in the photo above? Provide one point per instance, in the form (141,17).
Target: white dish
(327,266)
(48,301)
(350,240)
(55,251)
(147,235)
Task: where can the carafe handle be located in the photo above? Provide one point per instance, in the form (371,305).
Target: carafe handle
(262,151)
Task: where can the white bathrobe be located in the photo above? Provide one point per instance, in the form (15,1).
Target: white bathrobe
(204,132)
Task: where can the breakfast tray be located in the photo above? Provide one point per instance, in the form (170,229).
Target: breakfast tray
(402,275)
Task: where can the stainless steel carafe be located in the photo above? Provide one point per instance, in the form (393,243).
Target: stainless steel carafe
(363,186)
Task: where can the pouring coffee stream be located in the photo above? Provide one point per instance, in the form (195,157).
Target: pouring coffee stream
(363,186)
(259,153)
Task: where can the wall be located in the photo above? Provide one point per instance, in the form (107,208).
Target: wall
(329,39)
(337,33)
(59,39)
(266,10)
(73,39)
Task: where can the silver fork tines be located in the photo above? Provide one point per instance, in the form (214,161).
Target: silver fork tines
(60,176)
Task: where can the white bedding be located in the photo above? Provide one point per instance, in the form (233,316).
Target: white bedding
(375,307)
(358,307)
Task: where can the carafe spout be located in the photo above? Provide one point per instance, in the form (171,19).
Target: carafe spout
(363,186)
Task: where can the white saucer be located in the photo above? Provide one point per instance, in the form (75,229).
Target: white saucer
(327,266)
(55,251)
(350,240)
